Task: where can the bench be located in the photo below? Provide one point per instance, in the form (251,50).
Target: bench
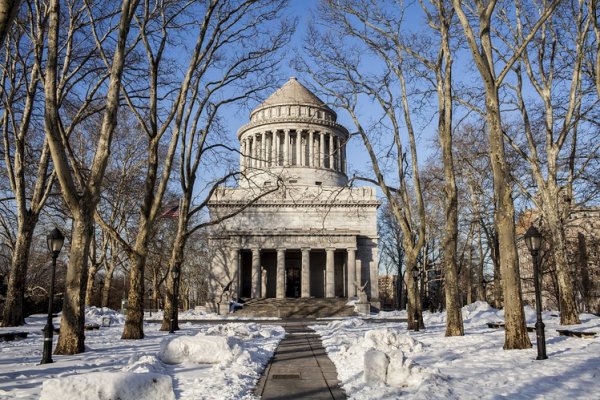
(89,327)
(579,334)
(501,325)
(10,336)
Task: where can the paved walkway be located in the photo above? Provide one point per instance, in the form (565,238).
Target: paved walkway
(300,368)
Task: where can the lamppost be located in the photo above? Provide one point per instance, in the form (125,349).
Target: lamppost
(55,242)
(175,276)
(416,273)
(484,286)
(533,240)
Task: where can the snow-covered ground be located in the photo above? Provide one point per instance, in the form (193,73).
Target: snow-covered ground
(384,361)
(374,359)
(199,362)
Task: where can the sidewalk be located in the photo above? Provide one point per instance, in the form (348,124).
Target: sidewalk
(299,369)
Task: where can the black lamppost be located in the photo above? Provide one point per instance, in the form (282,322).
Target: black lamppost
(416,273)
(175,276)
(484,286)
(55,242)
(533,240)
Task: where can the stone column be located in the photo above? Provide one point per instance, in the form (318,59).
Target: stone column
(338,154)
(280,289)
(276,141)
(235,271)
(322,150)
(373,272)
(262,158)
(359,272)
(311,149)
(331,152)
(298,147)
(305,278)
(270,150)
(255,150)
(330,273)
(256,275)
(351,272)
(286,148)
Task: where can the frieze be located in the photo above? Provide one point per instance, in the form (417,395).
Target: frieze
(309,120)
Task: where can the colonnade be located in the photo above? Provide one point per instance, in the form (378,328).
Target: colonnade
(353,272)
(290,147)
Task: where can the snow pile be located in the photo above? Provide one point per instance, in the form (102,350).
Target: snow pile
(375,362)
(390,314)
(481,312)
(95,315)
(199,349)
(109,385)
(243,331)
(144,363)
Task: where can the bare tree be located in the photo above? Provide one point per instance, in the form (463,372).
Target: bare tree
(482,51)
(22,144)
(81,191)
(554,59)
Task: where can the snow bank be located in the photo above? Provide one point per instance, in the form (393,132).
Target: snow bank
(96,314)
(109,386)
(199,349)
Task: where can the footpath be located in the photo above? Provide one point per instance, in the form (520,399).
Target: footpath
(300,368)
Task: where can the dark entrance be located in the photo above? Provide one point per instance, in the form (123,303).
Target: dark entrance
(292,280)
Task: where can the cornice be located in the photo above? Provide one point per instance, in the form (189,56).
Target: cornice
(308,120)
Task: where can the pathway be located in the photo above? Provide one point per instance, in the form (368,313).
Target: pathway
(300,368)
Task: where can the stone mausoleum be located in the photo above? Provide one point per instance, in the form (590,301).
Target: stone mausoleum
(307,234)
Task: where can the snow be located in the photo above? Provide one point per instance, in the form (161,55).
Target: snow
(382,360)
(375,359)
(113,368)
(109,385)
(196,315)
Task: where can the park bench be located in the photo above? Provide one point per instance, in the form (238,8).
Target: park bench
(10,336)
(580,334)
(501,325)
(91,326)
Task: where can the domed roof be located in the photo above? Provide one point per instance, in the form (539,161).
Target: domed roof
(293,92)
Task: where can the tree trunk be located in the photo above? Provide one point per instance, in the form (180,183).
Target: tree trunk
(89,287)
(71,338)
(134,324)
(582,262)
(8,12)
(516,336)
(566,293)
(498,292)
(413,303)
(175,263)
(15,296)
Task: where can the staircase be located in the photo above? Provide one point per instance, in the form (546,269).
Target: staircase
(296,308)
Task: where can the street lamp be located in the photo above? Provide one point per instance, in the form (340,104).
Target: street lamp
(484,286)
(175,276)
(55,242)
(533,240)
(416,273)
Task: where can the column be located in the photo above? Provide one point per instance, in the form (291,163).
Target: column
(280,289)
(298,147)
(276,140)
(263,150)
(330,273)
(322,150)
(359,272)
(331,152)
(235,271)
(255,149)
(243,155)
(270,150)
(373,273)
(286,148)
(311,149)
(256,274)
(338,154)
(351,272)
(305,278)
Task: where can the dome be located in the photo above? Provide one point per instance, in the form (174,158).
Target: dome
(292,99)
(293,92)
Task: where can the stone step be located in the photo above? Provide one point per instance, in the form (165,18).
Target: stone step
(296,308)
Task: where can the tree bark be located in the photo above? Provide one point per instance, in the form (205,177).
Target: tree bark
(8,12)
(71,338)
(15,296)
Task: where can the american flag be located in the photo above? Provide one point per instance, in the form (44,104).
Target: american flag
(170,212)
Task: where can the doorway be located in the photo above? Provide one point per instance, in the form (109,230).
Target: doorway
(292,282)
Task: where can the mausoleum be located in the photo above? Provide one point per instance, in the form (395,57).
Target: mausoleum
(300,230)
